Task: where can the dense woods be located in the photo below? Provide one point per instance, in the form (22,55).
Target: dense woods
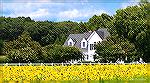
(130,35)
(25,40)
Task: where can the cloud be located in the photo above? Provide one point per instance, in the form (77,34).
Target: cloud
(50,10)
(78,14)
(40,12)
(36,15)
(70,14)
(26,1)
(130,3)
(33,10)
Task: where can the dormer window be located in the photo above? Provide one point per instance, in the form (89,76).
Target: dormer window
(70,44)
(83,43)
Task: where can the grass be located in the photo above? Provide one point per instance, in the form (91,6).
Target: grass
(83,81)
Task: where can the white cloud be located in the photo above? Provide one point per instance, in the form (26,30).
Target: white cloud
(34,15)
(130,3)
(69,14)
(73,14)
(47,10)
(47,1)
(27,1)
(38,13)
(33,10)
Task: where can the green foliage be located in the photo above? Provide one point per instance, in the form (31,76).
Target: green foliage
(28,41)
(3,59)
(44,32)
(57,53)
(130,34)
(1,46)
(114,48)
(97,22)
(132,24)
(23,49)
(11,28)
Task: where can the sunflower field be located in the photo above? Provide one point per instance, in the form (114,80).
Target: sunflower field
(100,72)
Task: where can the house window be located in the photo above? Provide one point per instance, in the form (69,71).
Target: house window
(91,46)
(87,57)
(94,45)
(70,43)
(83,44)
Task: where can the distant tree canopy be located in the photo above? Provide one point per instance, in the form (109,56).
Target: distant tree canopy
(22,37)
(44,32)
(97,22)
(24,49)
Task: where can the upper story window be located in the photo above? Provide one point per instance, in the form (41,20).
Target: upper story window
(94,45)
(70,44)
(83,44)
(91,46)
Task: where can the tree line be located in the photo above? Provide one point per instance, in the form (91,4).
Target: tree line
(25,40)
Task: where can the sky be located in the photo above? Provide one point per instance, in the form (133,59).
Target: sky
(61,10)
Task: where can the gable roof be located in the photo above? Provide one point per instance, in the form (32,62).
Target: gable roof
(77,38)
(103,33)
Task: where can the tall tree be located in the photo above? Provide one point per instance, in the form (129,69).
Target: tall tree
(23,49)
(131,24)
(101,21)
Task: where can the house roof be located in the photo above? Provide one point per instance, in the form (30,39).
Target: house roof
(103,32)
(77,38)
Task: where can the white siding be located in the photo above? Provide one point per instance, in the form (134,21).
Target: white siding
(93,38)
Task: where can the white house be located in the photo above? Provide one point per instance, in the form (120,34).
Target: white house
(86,42)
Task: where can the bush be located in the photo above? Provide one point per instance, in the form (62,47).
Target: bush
(3,59)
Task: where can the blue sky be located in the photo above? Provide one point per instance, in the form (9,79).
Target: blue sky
(62,10)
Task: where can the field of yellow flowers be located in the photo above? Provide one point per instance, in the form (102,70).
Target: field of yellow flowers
(75,72)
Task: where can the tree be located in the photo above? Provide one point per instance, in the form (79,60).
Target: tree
(114,48)
(82,27)
(97,22)
(57,53)
(24,49)
(146,36)
(132,24)
(1,46)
